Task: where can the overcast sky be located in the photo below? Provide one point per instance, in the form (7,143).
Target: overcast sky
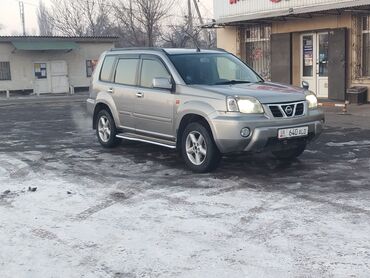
(10,18)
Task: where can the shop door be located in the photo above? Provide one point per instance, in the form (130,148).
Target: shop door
(59,77)
(315,50)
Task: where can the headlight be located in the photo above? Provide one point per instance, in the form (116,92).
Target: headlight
(312,101)
(247,105)
(232,104)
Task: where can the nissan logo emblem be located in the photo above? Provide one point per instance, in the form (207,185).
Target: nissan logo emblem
(289,110)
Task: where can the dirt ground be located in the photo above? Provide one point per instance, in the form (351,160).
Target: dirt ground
(69,208)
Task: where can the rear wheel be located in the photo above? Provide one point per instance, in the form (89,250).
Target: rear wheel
(198,149)
(290,153)
(106,130)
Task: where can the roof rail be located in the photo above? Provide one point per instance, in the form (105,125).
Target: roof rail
(138,48)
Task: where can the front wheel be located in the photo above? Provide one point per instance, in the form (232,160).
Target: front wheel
(106,130)
(198,149)
(291,153)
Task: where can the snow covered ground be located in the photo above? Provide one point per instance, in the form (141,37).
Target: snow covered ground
(68,208)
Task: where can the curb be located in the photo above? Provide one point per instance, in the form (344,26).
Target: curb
(36,100)
(332,104)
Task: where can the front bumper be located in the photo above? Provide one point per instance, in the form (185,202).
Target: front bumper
(226,129)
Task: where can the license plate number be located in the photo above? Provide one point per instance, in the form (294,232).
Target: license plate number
(293,132)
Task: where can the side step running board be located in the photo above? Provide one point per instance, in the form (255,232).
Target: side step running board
(144,140)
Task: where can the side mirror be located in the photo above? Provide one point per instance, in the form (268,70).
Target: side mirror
(162,83)
(305,85)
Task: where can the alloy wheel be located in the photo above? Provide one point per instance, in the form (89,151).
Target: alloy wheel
(196,148)
(104,129)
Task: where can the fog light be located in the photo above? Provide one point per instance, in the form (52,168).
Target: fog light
(245,132)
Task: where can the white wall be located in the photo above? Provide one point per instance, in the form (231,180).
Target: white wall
(21,64)
(223,9)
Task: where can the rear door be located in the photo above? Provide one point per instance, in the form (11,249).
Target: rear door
(154,107)
(124,89)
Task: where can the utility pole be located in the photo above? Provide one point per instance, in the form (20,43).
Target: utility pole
(21,10)
(190,17)
(205,32)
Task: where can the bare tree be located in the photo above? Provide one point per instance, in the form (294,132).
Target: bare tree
(186,35)
(131,33)
(45,22)
(80,17)
(142,19)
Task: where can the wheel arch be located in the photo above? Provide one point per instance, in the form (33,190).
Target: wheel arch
(191,117)
(103,105)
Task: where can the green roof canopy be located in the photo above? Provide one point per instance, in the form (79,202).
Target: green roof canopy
(44,45)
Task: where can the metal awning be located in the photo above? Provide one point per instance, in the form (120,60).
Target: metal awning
(44,45)
(290,12)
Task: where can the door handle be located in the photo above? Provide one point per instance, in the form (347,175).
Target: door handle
(140,95)
(110,90)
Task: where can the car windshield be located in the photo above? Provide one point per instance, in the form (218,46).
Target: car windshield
(213,69)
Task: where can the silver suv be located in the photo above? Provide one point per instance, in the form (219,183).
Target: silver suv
(204,103)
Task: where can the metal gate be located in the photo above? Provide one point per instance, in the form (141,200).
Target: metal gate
(257,47)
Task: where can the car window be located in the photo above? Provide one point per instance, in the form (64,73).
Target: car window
(213,69)
(228,70)
(126,71)
(107,68)
(152,69)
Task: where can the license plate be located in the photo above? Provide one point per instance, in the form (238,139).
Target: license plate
(293,132)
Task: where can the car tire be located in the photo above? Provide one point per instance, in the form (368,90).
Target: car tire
(198,149)
(290,154)
(106,130)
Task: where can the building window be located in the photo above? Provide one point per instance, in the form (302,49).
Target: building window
(258,49)
(5,71)
(366,46)
(40,71)
(90,67)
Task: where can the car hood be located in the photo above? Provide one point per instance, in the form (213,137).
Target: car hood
(266,92)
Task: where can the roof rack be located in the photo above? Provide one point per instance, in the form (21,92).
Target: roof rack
(138,48)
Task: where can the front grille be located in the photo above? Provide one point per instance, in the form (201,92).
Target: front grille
(287,110)
(276,112)
(299,110)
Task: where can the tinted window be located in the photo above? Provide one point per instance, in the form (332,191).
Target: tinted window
(152,69)
(126,71)
(107,68)
(213,69)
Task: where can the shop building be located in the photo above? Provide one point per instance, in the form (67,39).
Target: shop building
(49,64)
(323,42)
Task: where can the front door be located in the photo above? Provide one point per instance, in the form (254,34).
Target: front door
(314,57)
(154,109)
(42,81)
(59,77)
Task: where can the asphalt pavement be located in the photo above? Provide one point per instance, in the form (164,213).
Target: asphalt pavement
(69,208)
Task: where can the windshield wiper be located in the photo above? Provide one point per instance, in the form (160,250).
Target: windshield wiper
(232,82)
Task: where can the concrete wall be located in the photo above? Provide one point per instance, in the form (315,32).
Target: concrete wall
(228,39)
(22,70)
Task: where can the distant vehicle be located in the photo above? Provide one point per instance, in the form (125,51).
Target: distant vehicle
(204,103)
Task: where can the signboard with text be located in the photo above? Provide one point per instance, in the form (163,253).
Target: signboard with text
(224,9)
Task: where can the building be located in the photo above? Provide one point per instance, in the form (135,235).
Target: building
(323,42)
(49,64)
